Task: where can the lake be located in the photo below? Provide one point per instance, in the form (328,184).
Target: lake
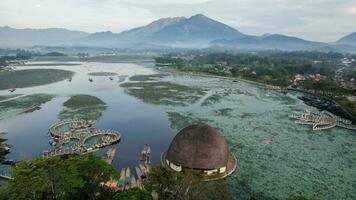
(276,157)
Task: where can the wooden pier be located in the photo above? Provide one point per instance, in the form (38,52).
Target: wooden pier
(321,121)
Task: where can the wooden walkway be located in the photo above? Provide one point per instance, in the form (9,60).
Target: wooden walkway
(81,132)
(321,121)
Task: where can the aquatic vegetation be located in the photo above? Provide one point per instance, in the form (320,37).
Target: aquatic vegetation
(181,120)
(163,93)
(122,78)
(212,100)
(52,64)
(102,74)
(23,104)
(82,107)
(151,77)
(224,112)
(32,77)
(5,97)
(276,157)
(102,59)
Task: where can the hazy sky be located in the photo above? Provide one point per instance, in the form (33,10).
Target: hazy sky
(321,20)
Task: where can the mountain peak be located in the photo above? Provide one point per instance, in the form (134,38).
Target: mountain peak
(348,39)
(199,16)
(161,23)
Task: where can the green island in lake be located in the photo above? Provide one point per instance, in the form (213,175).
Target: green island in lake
(82,107)
(32,77)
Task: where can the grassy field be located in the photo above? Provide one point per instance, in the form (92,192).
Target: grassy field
(23,104)
(83,107)
(32,77)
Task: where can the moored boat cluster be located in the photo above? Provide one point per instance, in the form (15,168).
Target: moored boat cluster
(127,177)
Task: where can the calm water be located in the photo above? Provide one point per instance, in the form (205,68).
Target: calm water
(276,157)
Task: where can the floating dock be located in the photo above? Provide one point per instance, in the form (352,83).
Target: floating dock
(79,131)
(321,121)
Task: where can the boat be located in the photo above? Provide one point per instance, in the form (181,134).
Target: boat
(70,80)
(52,143)
(90,80)
(46,152)
(139,184)
(109,157)
(148,167)
(6,172)
(133,182)
(9,162)
(128,172)
(127,178)
(7,148)
(143,169)
(146,154)
(139,173)
(111,78)
(12,90)
(121,182)
(122,173)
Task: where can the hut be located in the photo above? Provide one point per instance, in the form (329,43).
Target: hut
(201,148)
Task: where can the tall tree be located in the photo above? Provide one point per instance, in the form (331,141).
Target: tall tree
(70,177)
(184,186)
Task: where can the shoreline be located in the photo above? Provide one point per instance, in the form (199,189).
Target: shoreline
(261,85)
(203,74)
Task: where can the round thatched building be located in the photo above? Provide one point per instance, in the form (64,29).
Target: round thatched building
(200,148)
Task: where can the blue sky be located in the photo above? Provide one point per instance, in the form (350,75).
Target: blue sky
(320,20)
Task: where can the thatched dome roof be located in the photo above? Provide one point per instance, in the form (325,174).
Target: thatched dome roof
(199,147)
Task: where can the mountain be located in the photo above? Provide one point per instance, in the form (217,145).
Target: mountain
(348,40)
(11,37)
(100,39)
(195,31)
(270,41)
